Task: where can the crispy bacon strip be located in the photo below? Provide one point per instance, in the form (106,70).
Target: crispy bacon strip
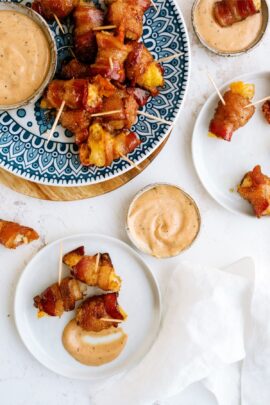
(228,12)
(13,235)
(127,15)
(59,298)
(102,147)
(143,70)
(96,271)
(112,53)
(91,311)
(233,115)
(49,8)
(86,17)
(255,188)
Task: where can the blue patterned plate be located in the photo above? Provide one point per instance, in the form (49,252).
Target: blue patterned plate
(24,150)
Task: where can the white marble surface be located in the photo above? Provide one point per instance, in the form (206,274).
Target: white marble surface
(224,237)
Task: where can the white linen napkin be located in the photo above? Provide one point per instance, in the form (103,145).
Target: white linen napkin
(202,330)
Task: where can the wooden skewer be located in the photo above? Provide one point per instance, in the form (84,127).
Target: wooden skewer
(59,23)
(106,113)
(111,63)
(111,320)
(130,162)
(60,267)
(56,120)
(216,88)
(168,58)
(97,262)
(153,117)
(258,102)
(72,53)
(104,27)
(154,5)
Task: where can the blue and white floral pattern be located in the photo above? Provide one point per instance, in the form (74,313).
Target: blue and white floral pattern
(24,149)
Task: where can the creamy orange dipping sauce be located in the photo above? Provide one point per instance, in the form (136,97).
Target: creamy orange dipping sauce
(163,221)
(93,348)
(24,57)
(232,39)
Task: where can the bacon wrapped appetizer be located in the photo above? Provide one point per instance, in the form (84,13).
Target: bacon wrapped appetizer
(127,15)
(112,53)
(57,299)
(86,17)
(91,312)
(103,147)
(13,235)
(143,70)
(78,122)
(95,271)
(229,12)
(235,113)
(266,110)
(255,188)
(49,8)
(78,94)
(75,70)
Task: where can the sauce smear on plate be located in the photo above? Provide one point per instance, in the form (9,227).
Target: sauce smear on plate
(24,57)
(93,348)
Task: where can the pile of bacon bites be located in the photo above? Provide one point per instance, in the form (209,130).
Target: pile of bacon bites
(95,313)
(111,77)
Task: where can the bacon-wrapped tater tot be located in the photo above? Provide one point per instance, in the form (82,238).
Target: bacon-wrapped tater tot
(127,15)
(229,12)
(96,271)
(112,53)
(59,298)
(75,70)
(143,70)
(93,309)
(235,113)
(103,147)
(86,16)
(13,235)
(49,8)
(255,188)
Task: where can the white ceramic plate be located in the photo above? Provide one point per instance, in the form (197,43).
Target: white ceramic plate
(139,297)
(221,165)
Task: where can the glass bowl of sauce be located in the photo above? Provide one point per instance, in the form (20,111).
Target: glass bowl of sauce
(233,40)
(163,220)
(28,55)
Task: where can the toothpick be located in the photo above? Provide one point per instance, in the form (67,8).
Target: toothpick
(56,120)
(111,63)
(60,267)
(168,58)
(130,162)
(97,262)
(72,53)
(216,88)
(111,320)
(258,102)
(106,113)
(153,4)
(59,23)
(153,117)
(104,27)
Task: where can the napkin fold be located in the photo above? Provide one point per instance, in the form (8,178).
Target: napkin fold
(202,330)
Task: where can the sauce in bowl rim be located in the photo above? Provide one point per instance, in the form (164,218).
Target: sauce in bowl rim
(247,49)
(42,24)
(185,194)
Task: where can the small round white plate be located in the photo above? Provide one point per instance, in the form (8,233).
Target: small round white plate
(139,296)
(221,165)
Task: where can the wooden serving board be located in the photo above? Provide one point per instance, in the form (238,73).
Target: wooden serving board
(53,193)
